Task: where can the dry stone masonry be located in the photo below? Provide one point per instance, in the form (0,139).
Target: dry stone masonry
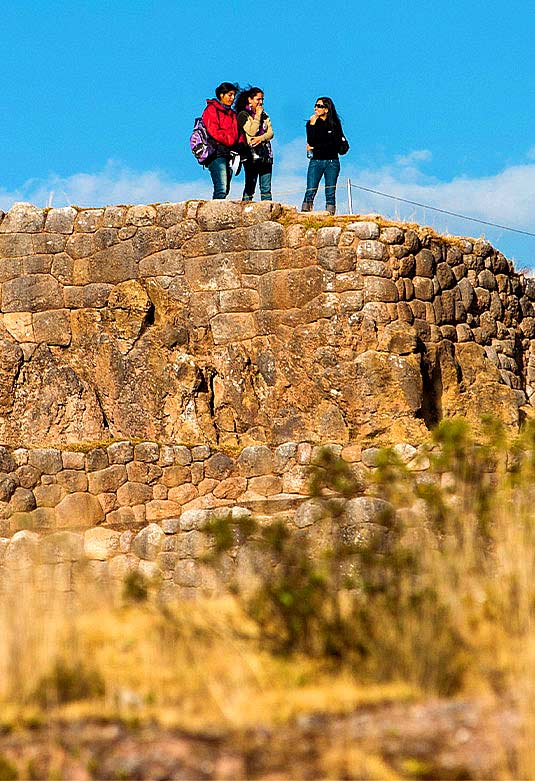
(160,362)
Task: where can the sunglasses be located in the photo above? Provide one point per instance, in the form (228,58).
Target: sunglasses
(320,105)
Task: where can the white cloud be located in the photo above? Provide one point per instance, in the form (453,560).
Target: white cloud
(507,197)
(417,156)
(114,184)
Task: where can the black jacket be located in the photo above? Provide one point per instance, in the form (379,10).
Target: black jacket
(325,141)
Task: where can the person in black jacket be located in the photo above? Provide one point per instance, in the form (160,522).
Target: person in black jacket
(324,134)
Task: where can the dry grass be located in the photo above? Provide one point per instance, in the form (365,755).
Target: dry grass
(197,666)
(470,529)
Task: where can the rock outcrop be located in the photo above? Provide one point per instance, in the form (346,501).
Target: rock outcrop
(229,324)
(160,362)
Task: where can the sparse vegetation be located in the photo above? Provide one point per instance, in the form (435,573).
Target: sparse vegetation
(434,593)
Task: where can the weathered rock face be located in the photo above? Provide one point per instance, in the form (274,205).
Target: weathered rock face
(229,324)
(220,345)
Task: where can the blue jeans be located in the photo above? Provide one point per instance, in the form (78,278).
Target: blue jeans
(220,172)
(257,170)
(316,169)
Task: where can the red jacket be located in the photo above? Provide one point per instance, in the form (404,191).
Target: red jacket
(221,123)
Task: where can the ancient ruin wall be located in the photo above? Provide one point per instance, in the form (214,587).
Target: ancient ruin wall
(159,362)
(229,324)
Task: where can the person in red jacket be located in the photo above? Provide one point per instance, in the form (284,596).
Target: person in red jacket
(222,125)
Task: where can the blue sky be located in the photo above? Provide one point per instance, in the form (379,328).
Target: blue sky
(98,100)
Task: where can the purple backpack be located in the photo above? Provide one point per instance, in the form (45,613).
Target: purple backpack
(200,142)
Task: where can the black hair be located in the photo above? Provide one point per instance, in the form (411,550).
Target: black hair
(243,98)
(333,120)
(224,87)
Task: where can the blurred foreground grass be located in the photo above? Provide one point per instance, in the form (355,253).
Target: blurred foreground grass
(436,596)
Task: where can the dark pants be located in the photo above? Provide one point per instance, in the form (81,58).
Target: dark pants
(221,174)
(316,169)
(257,170)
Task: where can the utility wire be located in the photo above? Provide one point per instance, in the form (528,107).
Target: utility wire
(442,211)
(415,203)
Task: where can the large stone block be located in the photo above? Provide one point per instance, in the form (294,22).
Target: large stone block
(265,235)
(141,472)
(19,326)
(168,214)
(166,262)
(60,220)
(379,289)
(120,452)
(194,519)
(61,547)
(22,550)
(241,300)
(423,288)
(425,263)
(80,245)
(147,544)
(328,237)
(255,460)
(148,452)
(233,327)
(374,268)
(132,494)
(28,476)
(339,259)
(175,475)
(101,544)
(371,249)
(72,480)
(113,265)
(220,215)
(15,245)
(159,509)
(180,233)
(230,488)
(10,268)
(367,509)
(89,220)
(141,215)
(53,327)
(364,230)
(33,293)
(216,243)
(23,500)
(286,289)
(213,272)
(79,509)
(23,218)
(108,479)
(47,460)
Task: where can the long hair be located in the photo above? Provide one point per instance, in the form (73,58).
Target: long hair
(242,101)
(333,120)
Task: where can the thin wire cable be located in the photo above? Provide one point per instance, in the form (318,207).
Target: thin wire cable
(442,211)
(416,203)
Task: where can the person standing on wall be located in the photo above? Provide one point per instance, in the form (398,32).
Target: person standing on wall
(255,123)
(221,125)
(325,141)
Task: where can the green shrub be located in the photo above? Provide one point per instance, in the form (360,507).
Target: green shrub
(68,681)
(8,771)
(424,593)
(135,588)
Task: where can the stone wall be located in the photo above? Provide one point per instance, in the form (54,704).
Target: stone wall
(159,362)
(229,324)
(70,516)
